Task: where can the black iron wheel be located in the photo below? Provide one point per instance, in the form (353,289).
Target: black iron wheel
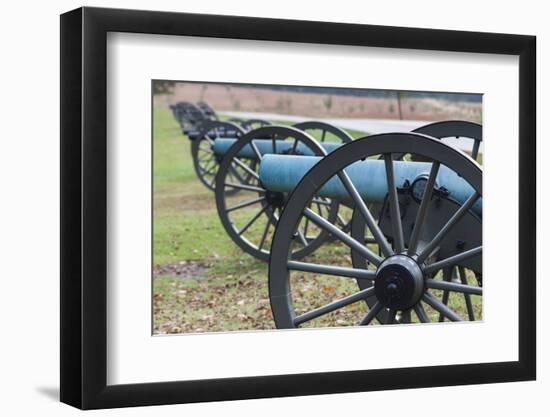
(251,216)
(324,132)
(188,115)
(205,162)
(207,110)
(237,121)
(403,278)
(455,129)
(252,124)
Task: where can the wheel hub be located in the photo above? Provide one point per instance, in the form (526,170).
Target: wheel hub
(399,282)
(275,198)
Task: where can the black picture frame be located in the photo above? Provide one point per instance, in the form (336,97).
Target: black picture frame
(84,207)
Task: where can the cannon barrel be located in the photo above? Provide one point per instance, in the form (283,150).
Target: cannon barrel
(283,172)
(265,147)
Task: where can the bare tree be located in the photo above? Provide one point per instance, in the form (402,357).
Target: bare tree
(401,95)
(328,103)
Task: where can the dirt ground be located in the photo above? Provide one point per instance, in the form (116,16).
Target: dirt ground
(234,98)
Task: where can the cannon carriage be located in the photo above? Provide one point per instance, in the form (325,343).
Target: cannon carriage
(190,116)
(207,160)
(245,155)
(403,182)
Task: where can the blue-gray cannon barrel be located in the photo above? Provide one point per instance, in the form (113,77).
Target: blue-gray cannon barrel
(265,146)
(283,172)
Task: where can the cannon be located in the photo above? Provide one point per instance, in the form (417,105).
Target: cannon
(241,159)
(189,116)
(254,146)
(429,226)
(206,161)
(207,110)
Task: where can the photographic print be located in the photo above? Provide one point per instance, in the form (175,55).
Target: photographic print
(216,216)
(278,207)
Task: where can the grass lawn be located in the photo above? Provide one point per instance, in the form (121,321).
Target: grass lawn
(202,280)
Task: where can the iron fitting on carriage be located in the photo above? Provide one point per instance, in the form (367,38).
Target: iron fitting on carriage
(399,282)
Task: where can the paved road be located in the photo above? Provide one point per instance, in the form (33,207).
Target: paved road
(371,126)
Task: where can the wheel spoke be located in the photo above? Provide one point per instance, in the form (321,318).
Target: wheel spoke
(236,174)
(453,260)
(423,210)
(345,238)
(346,226)
(363,274)
(375,309)
(252,220)
(467,298)
(394,205)
(210,164)
(301,237)
(439,306)
(421,313)
(447,277)
(246,168)
(306,226)
(207,156)
(319,209)
(429,248)
(244,204)
(453,286)
(294,146)
(244,187)
(363,209)
(264,234)
(256,150)
(335,305)
(211,171)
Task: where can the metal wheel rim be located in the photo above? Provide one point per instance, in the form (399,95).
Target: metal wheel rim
(341,134)
(208,168)
(222,206)
(251,124)
(455,128)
